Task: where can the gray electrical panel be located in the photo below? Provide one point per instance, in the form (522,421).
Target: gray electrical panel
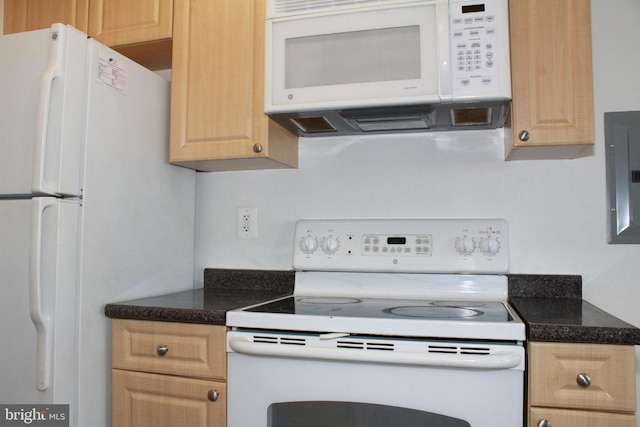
(622,151)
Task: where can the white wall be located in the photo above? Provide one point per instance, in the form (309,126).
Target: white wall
(555,209)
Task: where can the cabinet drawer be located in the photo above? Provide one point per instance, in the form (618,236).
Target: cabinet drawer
(152,400)
(554,370)
(573,418)
(169,348)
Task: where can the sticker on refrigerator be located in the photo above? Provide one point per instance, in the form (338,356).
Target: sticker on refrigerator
(112,72)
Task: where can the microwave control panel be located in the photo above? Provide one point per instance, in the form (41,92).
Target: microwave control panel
(479,46)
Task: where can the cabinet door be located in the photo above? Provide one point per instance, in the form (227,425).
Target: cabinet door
(552,83)
(554,369)
(119,22)
(151,400)
(568,418)
(217,97)
(28,15)
(141,30)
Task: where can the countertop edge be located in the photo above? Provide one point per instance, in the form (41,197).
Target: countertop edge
(165,314)
(583,334)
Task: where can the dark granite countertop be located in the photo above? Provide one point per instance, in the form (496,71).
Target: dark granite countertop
(553,310)
(550,305)
(224,290)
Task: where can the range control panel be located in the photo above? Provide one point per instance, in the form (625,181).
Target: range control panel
(478,246)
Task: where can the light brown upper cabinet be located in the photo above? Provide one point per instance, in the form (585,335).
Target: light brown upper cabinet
(28,15)
(217,91)
(140,30)
(552,81)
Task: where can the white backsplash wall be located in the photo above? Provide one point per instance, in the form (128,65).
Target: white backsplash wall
(556,209)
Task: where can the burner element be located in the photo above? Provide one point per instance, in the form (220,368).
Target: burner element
(434,312)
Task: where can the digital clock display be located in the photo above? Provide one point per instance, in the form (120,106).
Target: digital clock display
(473,8)
(396,240)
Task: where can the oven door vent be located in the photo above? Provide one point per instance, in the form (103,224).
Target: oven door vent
(475,350)
(374,345)
(453,349)
(365,345)
(272,339)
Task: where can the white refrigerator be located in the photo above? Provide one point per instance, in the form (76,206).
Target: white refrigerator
(90,213)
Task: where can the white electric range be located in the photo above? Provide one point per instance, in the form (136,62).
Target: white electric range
(409,306)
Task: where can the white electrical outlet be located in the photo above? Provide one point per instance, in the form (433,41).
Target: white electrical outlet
(247,223)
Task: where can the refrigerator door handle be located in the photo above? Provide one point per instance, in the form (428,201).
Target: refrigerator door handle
(42,321)
(55,70)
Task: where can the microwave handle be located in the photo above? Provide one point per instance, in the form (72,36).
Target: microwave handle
(497,360)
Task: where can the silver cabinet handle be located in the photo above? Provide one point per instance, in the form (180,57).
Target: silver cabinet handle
(524,135)
(162,350)
(584,380)
(544,423)
(213,395)
(257,148)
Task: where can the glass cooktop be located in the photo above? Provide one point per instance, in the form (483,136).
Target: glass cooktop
(485,311)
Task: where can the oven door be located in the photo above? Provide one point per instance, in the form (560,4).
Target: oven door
(285,380)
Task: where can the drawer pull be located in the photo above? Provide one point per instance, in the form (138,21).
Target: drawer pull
(162,350)
(544,423)
(584,380)
(213,395)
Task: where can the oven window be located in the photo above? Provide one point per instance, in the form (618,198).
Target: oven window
(353,414)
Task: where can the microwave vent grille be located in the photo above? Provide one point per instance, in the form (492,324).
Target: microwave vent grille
(297,7)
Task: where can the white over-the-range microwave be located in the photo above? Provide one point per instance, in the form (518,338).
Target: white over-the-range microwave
(336,67)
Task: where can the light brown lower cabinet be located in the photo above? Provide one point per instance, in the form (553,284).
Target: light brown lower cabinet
(581,385)
(151,400)
(168,374)
(571,418)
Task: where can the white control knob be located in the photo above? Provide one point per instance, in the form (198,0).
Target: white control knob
(330,245)
(489,245)
(308,244)
(465,245)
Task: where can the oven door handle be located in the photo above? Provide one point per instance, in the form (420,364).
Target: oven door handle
(502,359)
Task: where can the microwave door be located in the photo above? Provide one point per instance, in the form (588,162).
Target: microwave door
(358,58)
